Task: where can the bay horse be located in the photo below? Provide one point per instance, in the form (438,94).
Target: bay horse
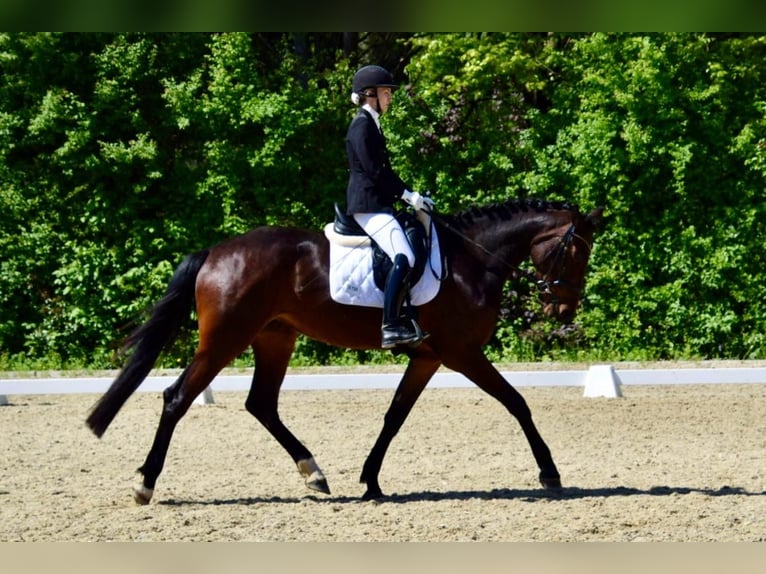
(261,289)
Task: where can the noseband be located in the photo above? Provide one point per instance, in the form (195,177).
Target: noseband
(545,285)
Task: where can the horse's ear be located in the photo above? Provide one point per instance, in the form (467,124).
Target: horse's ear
(596,217)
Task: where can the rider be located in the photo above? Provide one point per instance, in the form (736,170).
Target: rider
(373,187)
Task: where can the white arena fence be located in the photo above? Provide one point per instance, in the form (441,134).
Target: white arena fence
(597,381)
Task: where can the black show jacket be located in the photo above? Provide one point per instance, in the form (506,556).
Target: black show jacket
(373,187)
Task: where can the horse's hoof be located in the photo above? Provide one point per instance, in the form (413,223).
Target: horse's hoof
(313,476)
(551,483)
(373,494)
(143,495)
(320,485)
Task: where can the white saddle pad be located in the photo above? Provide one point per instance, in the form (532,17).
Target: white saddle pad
(351,276)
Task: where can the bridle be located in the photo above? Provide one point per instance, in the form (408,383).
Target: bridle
(546,285)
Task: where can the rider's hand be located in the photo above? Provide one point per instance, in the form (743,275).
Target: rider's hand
(418,201)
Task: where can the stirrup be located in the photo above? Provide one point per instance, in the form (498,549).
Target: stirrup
(422,335)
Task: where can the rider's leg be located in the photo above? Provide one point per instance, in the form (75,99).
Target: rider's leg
(389,235)
(397,330)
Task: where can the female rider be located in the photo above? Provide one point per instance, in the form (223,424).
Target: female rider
(372,190)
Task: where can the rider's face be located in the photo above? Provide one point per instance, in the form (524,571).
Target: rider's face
(384,98)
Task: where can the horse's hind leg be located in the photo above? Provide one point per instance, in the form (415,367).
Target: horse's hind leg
(176,401)
(272,350)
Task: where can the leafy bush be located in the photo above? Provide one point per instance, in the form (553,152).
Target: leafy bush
(120,153)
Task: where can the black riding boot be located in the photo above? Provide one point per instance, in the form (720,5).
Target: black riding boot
(398,330)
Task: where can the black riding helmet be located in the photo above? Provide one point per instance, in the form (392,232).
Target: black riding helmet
(372,77)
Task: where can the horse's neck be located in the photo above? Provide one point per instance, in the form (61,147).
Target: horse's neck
(512,239)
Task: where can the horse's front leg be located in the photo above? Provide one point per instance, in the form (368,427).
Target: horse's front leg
(481,371)
(419,371)
(273,348)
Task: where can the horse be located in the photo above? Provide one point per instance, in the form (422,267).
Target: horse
(263,288)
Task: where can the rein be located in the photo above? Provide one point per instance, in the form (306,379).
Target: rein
(545,284)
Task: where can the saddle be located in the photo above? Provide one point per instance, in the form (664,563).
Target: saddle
(352,234)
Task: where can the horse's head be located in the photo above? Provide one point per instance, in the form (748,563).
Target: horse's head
(560,256)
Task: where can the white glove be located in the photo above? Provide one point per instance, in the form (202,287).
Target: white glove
(418,201)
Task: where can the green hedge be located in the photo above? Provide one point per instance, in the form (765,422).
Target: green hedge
(120,153)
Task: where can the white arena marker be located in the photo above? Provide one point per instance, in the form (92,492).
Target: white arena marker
(602,381)
(206,397)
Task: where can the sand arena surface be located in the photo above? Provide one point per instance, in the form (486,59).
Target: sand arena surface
(662,463)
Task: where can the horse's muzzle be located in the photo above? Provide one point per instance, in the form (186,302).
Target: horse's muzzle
(563,312)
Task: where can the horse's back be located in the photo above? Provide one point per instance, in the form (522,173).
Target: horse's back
(268,244)
(266,258)
(271,234)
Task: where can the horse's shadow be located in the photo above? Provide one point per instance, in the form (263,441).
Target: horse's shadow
(524,495)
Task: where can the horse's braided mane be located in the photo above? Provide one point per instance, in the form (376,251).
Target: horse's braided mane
(507,209)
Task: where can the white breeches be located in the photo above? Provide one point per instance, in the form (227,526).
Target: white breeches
(386,231)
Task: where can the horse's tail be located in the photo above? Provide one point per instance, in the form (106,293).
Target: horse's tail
(148,341)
